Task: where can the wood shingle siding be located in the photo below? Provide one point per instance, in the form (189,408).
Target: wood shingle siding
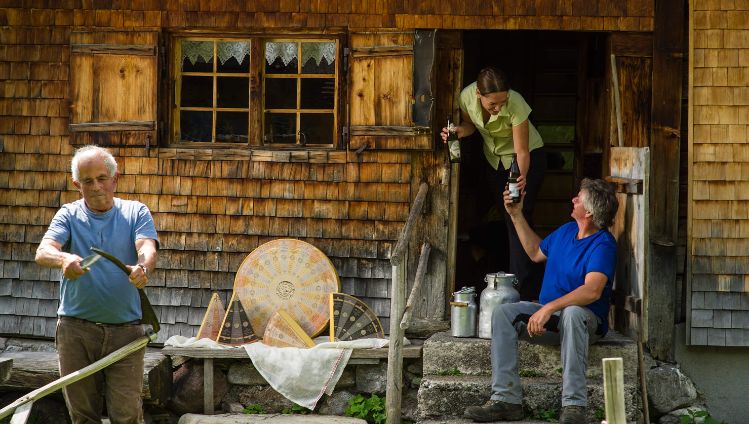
(718,291)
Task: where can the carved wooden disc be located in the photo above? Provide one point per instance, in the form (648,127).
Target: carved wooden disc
(287,274)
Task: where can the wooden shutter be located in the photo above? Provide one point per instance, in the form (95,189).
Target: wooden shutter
(382,79)
(113,88)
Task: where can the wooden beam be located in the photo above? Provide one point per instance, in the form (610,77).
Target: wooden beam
(613,390)
(626,185)
(668,53)
(113,126)
(142,50)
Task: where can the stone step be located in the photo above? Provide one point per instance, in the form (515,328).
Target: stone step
(267,419)
(443,397)
(468,421)
(445,355)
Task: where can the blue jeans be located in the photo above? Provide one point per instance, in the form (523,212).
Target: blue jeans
(81,343)
(577,329)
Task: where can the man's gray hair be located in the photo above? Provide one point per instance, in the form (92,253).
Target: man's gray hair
(600,200)
(109,161)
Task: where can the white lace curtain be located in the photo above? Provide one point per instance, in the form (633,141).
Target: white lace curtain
(192,50)
(195,50)
(289,51)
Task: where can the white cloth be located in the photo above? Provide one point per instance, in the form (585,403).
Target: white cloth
(304,375)
(301,375)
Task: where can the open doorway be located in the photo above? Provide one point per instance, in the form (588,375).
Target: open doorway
(562,77)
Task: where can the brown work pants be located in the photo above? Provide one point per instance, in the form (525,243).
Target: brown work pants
(80,343)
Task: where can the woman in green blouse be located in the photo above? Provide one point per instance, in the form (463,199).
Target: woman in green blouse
(500,115)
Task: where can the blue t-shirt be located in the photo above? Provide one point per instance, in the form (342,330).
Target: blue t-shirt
(104,294)
(570,259)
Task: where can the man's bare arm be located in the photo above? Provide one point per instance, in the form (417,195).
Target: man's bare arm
(49,254)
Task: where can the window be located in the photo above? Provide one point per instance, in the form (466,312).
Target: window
(218,101)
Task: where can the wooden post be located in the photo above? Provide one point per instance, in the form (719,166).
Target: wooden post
(208,386)
(613,390)
(668,54)
(395,348)
(421,271)
(452,231)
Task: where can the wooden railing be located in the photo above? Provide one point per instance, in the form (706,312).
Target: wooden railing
(400,312)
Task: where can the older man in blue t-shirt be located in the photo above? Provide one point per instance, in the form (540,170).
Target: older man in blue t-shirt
(99,306)
(573,307)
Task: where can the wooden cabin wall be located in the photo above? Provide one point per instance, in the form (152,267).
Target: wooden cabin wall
(211,210)
(718,216)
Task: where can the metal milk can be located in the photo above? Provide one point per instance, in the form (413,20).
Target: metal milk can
(463,313)
(500,288)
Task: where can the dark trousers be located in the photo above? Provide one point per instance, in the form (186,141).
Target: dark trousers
(529,273)
(81,343)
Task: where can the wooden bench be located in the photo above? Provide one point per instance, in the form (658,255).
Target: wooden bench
(358,357)
(31,370)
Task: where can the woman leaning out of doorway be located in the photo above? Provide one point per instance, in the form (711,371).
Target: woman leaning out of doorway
(501,117)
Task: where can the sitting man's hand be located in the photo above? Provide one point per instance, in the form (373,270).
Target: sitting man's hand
(537,322)
(513,209)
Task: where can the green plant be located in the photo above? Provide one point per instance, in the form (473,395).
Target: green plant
(296,409)
(600,414)
(548,415)
(253,409)
(371,409)
(691,418)
(451,371)
(530,373)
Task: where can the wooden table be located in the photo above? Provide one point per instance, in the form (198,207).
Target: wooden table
(358,357)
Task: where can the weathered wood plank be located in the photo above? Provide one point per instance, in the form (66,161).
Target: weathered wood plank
(32,370)
(411,351)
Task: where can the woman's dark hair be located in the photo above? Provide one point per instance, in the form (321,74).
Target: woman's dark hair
(492,80)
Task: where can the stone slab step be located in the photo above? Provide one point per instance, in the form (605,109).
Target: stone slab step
(444,354)
(442,397)
(467,421)
(267,419)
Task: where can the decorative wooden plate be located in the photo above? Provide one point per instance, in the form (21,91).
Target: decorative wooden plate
(352,319)
(214,315)
(236,328)
(291,275)
(283,331)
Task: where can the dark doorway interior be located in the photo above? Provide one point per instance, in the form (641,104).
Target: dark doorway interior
(555,73)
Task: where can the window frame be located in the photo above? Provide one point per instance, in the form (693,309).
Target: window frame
(256,120)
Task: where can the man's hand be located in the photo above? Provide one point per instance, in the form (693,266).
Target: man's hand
(538,320)
(513,209)
(71,267)
(138,276)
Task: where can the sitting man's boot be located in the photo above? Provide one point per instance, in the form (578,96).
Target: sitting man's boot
(495,410)
(572,414)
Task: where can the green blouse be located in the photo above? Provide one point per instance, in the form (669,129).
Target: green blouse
(497,133)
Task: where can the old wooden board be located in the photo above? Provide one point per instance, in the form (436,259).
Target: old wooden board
(32,370)
(630,228)
(411,351)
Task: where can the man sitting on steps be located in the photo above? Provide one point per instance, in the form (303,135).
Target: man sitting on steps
(574,303)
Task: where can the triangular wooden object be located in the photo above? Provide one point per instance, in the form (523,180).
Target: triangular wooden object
(214,315)
(283,331)
(236,328)
(352,319)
